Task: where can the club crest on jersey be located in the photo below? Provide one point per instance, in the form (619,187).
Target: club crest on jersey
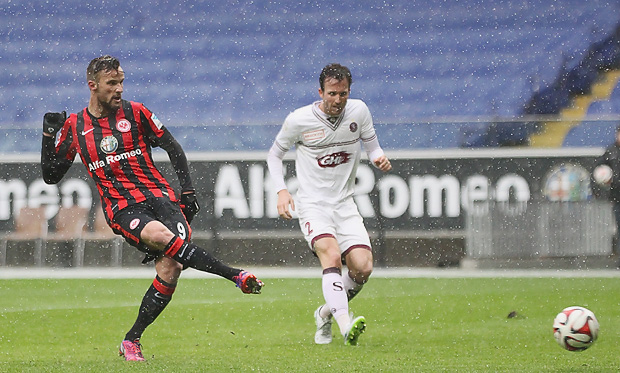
(353,127)
(134,223)
(109,144)
(333,160)
(123,125)
(314,135)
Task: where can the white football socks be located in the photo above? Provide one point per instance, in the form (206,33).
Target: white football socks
(350,286)
(336,299)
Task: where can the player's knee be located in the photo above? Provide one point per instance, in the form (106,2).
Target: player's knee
(361,275)
(329,257)
(156,235)
(366,270)
(360,268)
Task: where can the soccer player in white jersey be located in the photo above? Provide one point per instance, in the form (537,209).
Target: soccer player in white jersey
(326,135)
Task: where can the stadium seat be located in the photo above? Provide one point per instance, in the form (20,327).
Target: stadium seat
(210,67)
(29,234)
(63,242)
(95,242)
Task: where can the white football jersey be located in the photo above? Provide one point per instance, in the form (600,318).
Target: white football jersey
(328,149)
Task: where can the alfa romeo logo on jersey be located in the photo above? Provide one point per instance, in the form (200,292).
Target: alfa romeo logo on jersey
(353,126)
(123,125)
(109,144)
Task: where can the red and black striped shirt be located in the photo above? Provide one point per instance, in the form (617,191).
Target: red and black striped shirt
(116,151)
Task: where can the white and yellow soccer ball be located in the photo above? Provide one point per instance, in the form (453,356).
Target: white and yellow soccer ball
(602,174)
(575,328)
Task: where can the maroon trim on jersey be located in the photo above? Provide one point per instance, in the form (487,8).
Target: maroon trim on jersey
(280,147)
(370,138)
(347,251)
(322,235)
(330,145)
(321,116)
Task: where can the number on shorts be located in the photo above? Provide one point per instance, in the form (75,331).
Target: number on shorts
(181,229)
(308,228)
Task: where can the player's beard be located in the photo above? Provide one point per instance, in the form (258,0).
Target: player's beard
(110,106)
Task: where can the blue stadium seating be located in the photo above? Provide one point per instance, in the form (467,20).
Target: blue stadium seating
(231,71)
(589,133)
(600,132)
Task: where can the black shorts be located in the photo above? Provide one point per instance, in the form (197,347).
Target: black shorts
(130,221)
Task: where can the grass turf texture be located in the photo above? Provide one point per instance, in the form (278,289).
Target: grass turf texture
(417,324)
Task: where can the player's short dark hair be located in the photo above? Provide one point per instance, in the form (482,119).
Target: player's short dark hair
(335,71)
(103,63)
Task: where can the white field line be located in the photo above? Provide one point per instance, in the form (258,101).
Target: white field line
(305,272)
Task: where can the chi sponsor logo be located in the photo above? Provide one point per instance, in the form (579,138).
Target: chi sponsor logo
(134,223)
(123,125)
(109,144)
(333,160)
(92,166)
(353,127)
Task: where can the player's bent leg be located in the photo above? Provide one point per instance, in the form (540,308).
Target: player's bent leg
(195,257)
(360,265)
(359,261)
(188,254)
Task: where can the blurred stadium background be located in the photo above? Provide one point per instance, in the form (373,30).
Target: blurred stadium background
(450,76)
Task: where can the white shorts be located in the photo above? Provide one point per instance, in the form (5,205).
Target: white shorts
(341,221)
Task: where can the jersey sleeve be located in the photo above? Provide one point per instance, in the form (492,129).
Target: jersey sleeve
(153,127)
(368,134)
(276,168)
(285,139)
(161,137)
(65,145)
(367,125)
(288,135)
(57,157)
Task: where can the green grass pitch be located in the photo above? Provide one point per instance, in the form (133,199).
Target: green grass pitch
(414,325)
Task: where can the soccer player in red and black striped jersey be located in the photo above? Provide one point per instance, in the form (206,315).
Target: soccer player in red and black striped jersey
(114,138)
